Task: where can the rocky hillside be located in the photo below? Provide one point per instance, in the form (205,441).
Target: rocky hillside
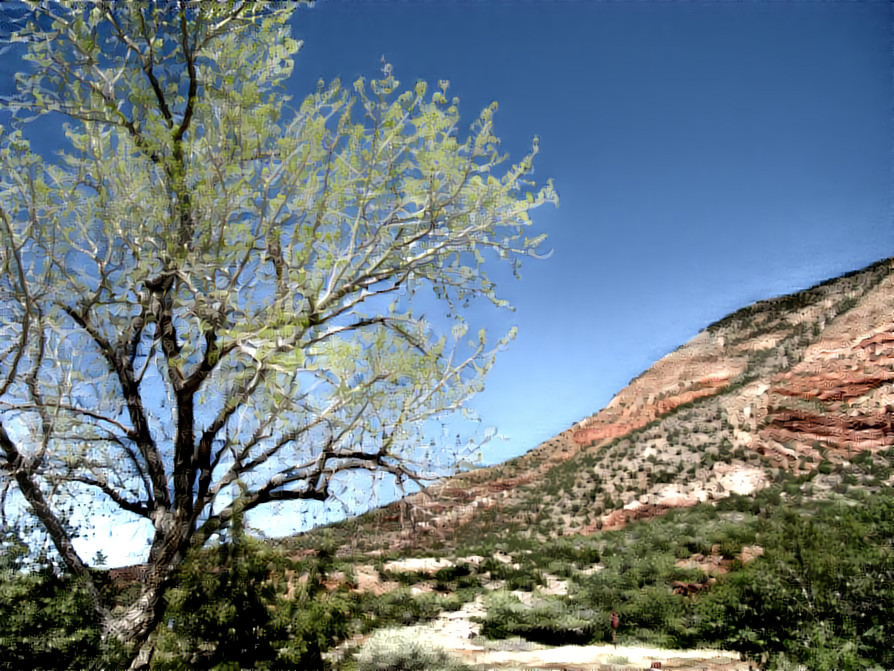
(792,385)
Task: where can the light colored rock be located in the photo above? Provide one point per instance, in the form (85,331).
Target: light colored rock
(417,565)
(742,479)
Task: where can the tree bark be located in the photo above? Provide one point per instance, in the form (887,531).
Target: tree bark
(134,627)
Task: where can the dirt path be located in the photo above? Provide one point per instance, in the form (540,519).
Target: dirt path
(603,657)
(454,631)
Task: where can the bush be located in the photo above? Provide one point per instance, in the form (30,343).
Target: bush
(821,596)
(229,611)
(400,607)
(524,578)
(45,622)
(452,578)
(551,622)
(391,650)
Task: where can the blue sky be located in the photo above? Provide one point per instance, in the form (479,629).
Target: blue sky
(707,155)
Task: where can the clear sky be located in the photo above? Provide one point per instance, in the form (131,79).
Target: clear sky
(706,154)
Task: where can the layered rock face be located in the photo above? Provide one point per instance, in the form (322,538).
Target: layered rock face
(699,369)
(789,383)
(794,380)
(834,361)
(840,395)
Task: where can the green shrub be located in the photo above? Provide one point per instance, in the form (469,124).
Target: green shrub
(229,611)
(821,596)
(390,650)
(400,607)
(826,467)
(452,573)
(46,622)
(551,622)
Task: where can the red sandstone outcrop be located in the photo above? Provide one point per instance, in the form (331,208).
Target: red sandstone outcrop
(618,519)
(701,368)
(840,395)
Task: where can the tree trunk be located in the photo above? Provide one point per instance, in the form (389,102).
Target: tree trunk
(133,627)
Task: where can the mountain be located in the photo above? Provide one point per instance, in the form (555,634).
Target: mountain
(792,386)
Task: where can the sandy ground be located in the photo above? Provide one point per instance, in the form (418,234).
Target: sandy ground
(454,631)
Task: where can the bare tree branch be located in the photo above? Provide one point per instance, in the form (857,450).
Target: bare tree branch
(141,433)
(123,503)
(26,322)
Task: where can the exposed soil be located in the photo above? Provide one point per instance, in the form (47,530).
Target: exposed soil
(457,633)
(454,631)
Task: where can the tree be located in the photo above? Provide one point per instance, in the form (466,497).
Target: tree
(821,594)
(210,301)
